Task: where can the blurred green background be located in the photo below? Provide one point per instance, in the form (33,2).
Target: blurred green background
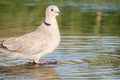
(80,17)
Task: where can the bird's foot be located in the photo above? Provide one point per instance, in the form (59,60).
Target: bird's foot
(32,62)
(47,62)
(43,62)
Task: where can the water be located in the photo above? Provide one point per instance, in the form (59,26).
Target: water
(90,39)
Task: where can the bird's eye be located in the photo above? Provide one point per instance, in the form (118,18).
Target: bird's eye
(51,9)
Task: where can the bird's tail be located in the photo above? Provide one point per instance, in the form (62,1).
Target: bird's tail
(6,58)
(3,50)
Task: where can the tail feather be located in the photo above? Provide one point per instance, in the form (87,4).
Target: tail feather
(3,49)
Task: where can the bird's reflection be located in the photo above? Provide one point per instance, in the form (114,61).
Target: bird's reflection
(30,72)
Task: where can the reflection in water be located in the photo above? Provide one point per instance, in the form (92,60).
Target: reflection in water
(104,60)
(100,61)
(79,57)
(29,72)
(98,18)
(99,26)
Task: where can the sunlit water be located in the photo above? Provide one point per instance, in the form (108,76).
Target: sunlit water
(79,57)
(89,48)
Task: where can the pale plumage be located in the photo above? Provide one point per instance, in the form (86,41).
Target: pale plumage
(28,43)
(38,43)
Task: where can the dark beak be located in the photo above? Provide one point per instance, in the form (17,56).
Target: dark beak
(60,13)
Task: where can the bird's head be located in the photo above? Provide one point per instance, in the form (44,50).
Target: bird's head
(52,11)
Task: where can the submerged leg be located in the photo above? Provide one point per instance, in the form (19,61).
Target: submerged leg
(47,62)
(43,62)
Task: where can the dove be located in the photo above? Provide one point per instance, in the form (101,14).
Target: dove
(39,43)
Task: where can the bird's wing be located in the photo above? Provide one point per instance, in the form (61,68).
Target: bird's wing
(29,43)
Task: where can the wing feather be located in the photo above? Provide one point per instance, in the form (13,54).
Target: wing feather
(29,43)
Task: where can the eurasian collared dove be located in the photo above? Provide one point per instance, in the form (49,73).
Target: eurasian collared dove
(34,45)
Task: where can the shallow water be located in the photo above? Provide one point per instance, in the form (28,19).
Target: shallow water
(90,40)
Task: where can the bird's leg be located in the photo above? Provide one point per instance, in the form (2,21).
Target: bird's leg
(43,62)
(32,62)
(47,62)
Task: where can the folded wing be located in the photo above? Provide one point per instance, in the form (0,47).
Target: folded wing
(30,43)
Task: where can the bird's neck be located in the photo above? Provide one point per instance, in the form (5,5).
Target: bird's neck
(51,21)
(49,26)
(53,27)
